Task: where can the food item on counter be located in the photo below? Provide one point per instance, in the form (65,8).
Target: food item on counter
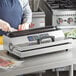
(71,34)
(5,63)
(1,40)
(8,63)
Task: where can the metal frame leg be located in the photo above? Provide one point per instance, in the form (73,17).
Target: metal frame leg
(41,73)
(71,70)
(57,72)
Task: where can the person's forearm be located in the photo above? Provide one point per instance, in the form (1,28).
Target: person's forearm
(27,14)
(28,19)
(5,26)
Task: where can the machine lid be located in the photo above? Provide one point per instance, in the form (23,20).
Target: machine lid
(31,31)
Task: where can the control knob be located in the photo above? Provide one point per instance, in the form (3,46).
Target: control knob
(70,20)
(60,20)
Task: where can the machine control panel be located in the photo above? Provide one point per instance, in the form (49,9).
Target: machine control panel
(36,37)
(64,17)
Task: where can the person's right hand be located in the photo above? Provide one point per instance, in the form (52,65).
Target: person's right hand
(4,26)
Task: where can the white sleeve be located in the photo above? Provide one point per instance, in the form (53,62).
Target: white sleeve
(27,13)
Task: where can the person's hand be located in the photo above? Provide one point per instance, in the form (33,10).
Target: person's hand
(5,26)
(24,26)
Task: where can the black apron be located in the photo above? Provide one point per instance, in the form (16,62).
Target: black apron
(11,12)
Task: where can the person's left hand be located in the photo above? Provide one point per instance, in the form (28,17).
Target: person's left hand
(24,26)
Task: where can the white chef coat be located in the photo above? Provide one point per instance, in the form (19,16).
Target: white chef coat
(26,11)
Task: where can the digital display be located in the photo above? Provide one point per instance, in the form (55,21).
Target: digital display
(32,38)
(36,37)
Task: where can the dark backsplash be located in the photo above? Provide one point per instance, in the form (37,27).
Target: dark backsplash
(62,4)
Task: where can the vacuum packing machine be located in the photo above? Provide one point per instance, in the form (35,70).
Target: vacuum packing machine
(36,42)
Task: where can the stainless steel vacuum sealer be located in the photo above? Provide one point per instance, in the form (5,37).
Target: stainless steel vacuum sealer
(36,42)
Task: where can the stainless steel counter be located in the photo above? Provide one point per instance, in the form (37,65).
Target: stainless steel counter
(40,63)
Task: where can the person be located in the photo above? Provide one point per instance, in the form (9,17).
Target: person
(14,15)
